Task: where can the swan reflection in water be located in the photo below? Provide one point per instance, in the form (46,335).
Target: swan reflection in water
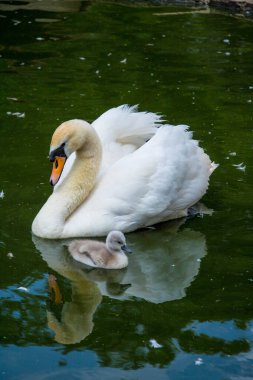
(163,264)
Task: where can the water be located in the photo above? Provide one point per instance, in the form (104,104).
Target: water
(188,312)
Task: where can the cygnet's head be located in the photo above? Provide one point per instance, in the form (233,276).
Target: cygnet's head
(116,242)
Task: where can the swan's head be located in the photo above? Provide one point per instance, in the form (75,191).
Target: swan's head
(69,137)
(116,242)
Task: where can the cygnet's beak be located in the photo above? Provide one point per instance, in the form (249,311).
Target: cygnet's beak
(58,166)
(126,249)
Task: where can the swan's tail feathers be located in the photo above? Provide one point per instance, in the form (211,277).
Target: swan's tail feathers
(213,167)
(125,125)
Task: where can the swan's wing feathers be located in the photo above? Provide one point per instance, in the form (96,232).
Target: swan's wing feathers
(125,125)
(157,182)
(166,175)
(89,252)
(122,130)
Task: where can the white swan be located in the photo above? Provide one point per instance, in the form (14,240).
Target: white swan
(129,171)
(108,255)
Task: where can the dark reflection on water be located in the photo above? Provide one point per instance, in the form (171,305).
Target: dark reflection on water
(183,307)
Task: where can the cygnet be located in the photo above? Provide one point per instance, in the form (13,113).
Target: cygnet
(108,255)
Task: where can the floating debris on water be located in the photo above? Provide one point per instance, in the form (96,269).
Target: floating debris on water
(2,194)
(124,61)
(240,166)
(199,361)
(23,289)
(18,114)
(10,255)
(155,344)
(14,99)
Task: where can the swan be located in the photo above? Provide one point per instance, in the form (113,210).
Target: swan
(125,171)
(108,255)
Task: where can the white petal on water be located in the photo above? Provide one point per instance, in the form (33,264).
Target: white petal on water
(240,166)
(14,99)
(2,194)
(199,361)
(124,61)
(18,114)
(154,344)
(16,22)
(23,289)
(10,255)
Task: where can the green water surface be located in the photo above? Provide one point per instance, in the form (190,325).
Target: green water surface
(188,313)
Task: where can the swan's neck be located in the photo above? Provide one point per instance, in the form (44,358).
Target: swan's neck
(73,190)
(78,184)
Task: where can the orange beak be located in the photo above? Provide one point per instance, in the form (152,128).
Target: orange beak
(58,166)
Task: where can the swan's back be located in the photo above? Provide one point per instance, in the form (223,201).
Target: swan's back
(155,183)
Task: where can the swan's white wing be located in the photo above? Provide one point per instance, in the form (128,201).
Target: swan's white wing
(157,182)
(126,125)
(122,130)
